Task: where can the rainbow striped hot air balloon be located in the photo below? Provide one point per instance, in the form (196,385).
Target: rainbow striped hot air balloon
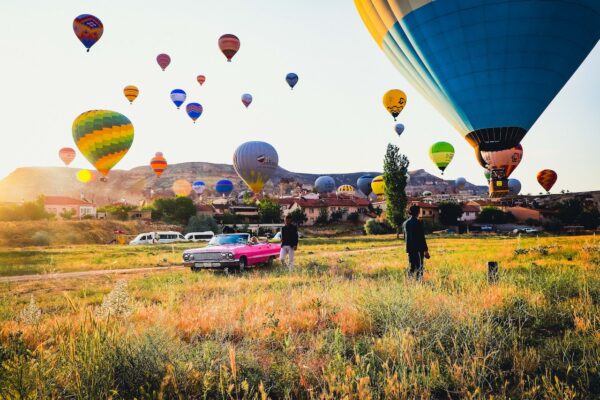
(88,29)
(158,163)
(490,67)
(103,137)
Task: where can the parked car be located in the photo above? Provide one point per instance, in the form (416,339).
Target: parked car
(199,236)
(231,251)
(530,230)
(487,228)
(158,237)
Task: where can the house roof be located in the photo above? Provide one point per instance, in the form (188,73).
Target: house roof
(332,202)
(470,208)
(65,201)
(421,204)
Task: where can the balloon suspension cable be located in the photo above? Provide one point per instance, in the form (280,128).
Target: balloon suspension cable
(87,51)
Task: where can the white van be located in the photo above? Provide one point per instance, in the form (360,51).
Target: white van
(158,237)
(199,236)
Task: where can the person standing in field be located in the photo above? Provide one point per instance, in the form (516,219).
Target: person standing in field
(289,243)
(416,245)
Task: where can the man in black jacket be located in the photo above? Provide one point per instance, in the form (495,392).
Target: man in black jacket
(416,245)
(289,242)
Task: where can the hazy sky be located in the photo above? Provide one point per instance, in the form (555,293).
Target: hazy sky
(332,122)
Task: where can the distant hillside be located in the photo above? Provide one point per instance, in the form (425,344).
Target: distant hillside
(136,184)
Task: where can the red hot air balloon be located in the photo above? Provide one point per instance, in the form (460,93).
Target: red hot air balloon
(158,164)
(67,155)
(201,79)
(547,178)
(229,45)
(163,60)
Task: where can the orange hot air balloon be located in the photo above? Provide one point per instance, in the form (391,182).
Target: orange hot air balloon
(229,45)
(67,155)
(201,79)
(158,164)
(547,178)
(181,188)
(131,92)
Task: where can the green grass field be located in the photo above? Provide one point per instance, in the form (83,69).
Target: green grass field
(346,323)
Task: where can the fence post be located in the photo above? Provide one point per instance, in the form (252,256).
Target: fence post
(492,271)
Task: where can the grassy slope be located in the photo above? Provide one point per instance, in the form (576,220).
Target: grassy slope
(344,323)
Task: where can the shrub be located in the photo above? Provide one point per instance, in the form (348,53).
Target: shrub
(67,214)
(31,315)
(117,302)
(298,216)
(338,215)
(323,217)
(41,238)
(552,225)
(353,217)
(374,227)
(202,223)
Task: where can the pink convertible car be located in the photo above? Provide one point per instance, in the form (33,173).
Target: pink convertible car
(233,251)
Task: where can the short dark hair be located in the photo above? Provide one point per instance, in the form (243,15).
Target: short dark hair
(414,210)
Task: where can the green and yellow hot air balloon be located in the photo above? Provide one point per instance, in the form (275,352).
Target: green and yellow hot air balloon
(441,153)
(103,137)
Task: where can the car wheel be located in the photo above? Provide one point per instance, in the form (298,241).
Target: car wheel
(243,264)
(194,269)
(270,261)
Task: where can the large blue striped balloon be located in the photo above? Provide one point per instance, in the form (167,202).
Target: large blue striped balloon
(224,187)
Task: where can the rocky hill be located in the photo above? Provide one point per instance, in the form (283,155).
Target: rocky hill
(136,184)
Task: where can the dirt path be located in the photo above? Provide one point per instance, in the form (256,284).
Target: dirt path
(83,274)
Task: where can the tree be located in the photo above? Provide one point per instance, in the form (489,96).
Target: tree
(174,211)
(577,212)
(491,215)
(298,216)
(353,217)
(395,168)
(202,223)
(248,199)
(269,211)
(323,217)
(119,211)
(338,215)
(67,214)
(28,211)
(450,212)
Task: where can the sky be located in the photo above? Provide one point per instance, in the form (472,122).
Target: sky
(332,122)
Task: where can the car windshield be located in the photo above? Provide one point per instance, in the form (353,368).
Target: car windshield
(229,239)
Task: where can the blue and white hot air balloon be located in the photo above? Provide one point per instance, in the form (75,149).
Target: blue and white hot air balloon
(178,97)
(199,187)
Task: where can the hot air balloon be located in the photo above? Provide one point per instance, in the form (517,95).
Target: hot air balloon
(163,60)
(67,155)
(399,129)
(181,188)
(199,187)
(224,187)
(364,184)
(88,29)
(441,153)
(194,110)
(489,67)
(291,79)
(487,175)
(547,178)
(514,187)
(394,101)
(378,185)
(246,99)
(201,79)
(158,164)
(325,184)
(178,97)
(460,183)
(255,163)
(131,92)
(84,176)
(347,190)
(229,45)
(501,164)
(103,137)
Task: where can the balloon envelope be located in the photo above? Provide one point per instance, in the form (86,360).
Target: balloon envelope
(103,137)
(427,193)
(504,162)
(224,186)
(229,45)
(194,110)
(291,79)
(181,188)
(547,178)
(490,73)
(514,186)
(346,190)
(441,153)
(201,79)
(199,187)
(131,92)
(163,61)
(378,185)
(246,99)
(399,129)
(67,155)
(325,184)
(88,29)
(178,97)
(394,101)
(255,162)
(158,163)
(364,184)
(460,183)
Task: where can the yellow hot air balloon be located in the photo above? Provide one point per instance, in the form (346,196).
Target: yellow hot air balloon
(378,185)
(84,176)
(394,101)
(131,92)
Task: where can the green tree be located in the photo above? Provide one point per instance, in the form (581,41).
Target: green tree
(395,168)
(230,218)
(119,211)
(202,223)
(269,211)
(338,215)
(491,215)
(353,217)
(248,199)
(174,211)
(28,211)
(450,212)
(323,217)
(67,214)
(298,216)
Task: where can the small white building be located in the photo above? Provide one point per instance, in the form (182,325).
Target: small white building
(470,212)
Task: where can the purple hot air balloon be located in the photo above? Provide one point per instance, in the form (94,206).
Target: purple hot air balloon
(163,60)
(246,99)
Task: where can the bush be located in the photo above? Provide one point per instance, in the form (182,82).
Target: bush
(174,211)
(374,227)
(298,216)
(41,238)
(552,225)
(202,223)
(353,217)
(338,215)
(450,212)
(323,217)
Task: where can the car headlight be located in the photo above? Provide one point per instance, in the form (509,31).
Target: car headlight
(227,256)
(186,257)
